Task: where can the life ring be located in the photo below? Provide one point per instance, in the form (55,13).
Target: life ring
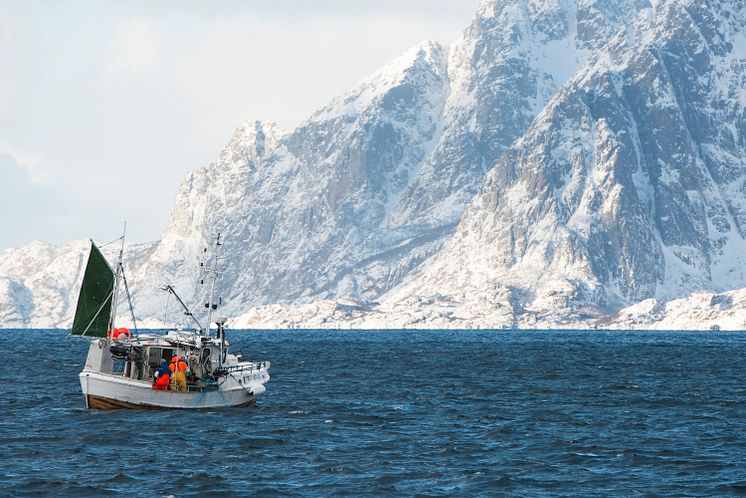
(116,333)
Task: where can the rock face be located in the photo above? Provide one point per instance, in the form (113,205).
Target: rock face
(628,186)
(309,206)
(359,195)
(598,145)
(501,73)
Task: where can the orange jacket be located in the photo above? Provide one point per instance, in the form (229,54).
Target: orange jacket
(177,364)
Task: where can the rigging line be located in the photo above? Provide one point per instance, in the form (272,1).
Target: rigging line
(129,300)
(245,388)
(187,312)
(97,313)
(200,302)
(111,242)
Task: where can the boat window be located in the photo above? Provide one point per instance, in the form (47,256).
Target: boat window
(154,356)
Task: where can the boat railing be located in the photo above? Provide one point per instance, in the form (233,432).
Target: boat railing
(189,387)
(245,366)
(193,388)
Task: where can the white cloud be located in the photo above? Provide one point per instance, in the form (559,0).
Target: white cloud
(30,211)
(123,98)
(28,160)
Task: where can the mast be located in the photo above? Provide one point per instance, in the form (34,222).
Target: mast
(211,305)
(117,278)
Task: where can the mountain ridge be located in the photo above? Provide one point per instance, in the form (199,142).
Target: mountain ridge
(556,164)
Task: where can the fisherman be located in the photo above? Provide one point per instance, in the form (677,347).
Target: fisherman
(178,374)
(162,376)
(191,361)
(136,359)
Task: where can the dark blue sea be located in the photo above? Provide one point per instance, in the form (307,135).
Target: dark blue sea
(398,413)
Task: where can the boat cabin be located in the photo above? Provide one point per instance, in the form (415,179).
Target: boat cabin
(139,357)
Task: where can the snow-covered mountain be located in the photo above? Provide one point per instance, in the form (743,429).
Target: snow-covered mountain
(39,283)
(629,185)
(598,145)
(361,193)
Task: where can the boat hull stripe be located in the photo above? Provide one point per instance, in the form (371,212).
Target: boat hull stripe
(103,403)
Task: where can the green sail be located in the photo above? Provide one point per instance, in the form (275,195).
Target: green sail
(93,313)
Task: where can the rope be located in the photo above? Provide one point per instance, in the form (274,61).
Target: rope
(129,300)
(212,383)
(245,388)
(225,401)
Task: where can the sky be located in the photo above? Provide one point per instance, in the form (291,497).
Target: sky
(105,105)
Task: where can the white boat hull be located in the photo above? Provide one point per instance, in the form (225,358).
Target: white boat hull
(106,391)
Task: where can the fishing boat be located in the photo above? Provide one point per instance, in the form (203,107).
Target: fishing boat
(122,365)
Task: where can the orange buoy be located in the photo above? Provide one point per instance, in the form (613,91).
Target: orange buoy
(114,334)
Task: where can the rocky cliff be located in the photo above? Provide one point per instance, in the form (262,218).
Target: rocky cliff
(629,185)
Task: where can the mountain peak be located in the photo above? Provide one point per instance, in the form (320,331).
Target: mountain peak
(426,61)
(250,130)
(430,53)
(251,141)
